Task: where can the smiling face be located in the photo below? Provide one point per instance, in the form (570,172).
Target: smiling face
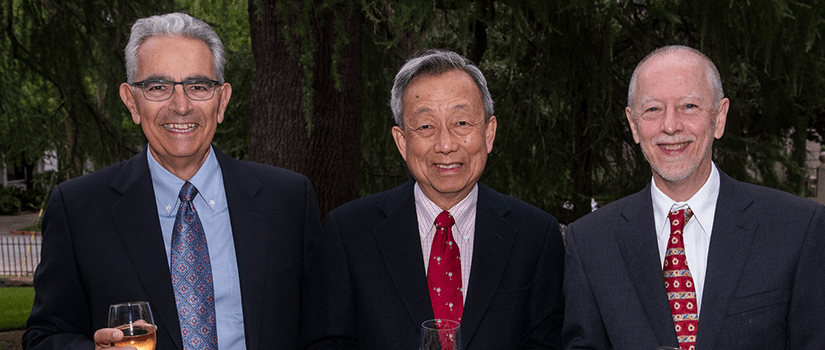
(674,120)
(445,139)
(179,129)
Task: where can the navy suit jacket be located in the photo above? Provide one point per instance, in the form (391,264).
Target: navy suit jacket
(763,287)
(102,244)
(367,288)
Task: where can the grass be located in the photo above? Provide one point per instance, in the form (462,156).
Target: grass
(15,306)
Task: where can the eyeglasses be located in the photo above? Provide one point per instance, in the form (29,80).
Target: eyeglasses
(162,90)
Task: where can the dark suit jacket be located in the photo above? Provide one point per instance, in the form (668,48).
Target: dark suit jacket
(367,288)
(102,244)
(763,287)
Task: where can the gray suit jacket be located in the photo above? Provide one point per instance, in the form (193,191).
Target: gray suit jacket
(763,287)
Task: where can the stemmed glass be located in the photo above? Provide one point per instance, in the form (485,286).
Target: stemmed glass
(134,319)
(440,334)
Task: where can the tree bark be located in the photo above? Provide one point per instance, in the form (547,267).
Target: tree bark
(329,153)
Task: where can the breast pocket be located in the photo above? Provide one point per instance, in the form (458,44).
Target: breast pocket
(757,301)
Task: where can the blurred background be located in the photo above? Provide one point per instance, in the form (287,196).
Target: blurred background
(311,81)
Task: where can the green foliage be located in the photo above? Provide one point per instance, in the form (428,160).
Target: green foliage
(14,200)
(62,65)
(15,307)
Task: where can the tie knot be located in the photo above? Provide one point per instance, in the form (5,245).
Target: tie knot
(444,220)
(680,214)
(187,192)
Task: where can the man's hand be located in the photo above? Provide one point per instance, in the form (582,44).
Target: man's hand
(104,337)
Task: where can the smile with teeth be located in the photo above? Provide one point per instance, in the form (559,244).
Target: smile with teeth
(448,166)
(673,146)
(180,127)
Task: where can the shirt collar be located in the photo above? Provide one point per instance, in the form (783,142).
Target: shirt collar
(703,204)
(207,180)
(462,212)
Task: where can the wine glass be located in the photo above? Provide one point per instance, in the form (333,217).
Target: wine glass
(440,334)
(134,319)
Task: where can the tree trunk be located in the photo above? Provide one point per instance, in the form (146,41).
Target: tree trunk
(329,152)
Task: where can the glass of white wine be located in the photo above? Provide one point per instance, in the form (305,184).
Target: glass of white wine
(440,334)
(134,319)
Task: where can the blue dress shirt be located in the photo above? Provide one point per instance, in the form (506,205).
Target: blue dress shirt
(214,214)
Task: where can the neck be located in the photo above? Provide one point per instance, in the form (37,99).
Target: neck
(447,201)
(182,167)
(684,189)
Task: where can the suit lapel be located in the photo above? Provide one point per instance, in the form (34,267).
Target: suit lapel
(250,248)
(400,245)
(640,251)
(136,217)
(730,244)
(494,237)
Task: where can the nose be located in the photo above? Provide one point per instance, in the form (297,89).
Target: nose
(672,123)
(179,102)
(445,141)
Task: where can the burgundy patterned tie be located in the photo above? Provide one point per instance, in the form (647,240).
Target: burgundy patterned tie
(192,276)
(679,282)
(444,271)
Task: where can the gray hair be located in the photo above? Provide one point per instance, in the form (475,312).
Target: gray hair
(172,24)
(711,73)
(434,63)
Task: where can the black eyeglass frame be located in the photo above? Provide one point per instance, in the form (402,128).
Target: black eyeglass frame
(176,83)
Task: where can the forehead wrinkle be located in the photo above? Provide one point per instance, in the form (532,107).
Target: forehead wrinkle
(460,106)
(169,77)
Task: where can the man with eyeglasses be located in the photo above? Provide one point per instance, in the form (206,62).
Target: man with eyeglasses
(215,245)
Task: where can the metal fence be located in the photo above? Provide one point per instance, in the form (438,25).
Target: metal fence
(19,255)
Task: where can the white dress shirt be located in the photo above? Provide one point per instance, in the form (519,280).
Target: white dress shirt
(697,231)
(464,214)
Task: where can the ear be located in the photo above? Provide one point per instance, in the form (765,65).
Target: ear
(400,141)
(129,100)
(490,133)
(226,93)
(628,113)
(721,118)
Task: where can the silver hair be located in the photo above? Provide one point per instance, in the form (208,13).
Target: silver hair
(172,24)
(711,73)
(433,63)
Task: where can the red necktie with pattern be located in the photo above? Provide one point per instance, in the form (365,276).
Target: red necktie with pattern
(679,282)
(444,271)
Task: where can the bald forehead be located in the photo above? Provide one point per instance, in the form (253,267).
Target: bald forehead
(676,57)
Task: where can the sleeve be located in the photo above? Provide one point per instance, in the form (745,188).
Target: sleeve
(545,304)
(329,309)
(806,325)
(60,317)
(583,325)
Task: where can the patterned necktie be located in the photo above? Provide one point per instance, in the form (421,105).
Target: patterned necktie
(679,282)
(192,276)
(444,271)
